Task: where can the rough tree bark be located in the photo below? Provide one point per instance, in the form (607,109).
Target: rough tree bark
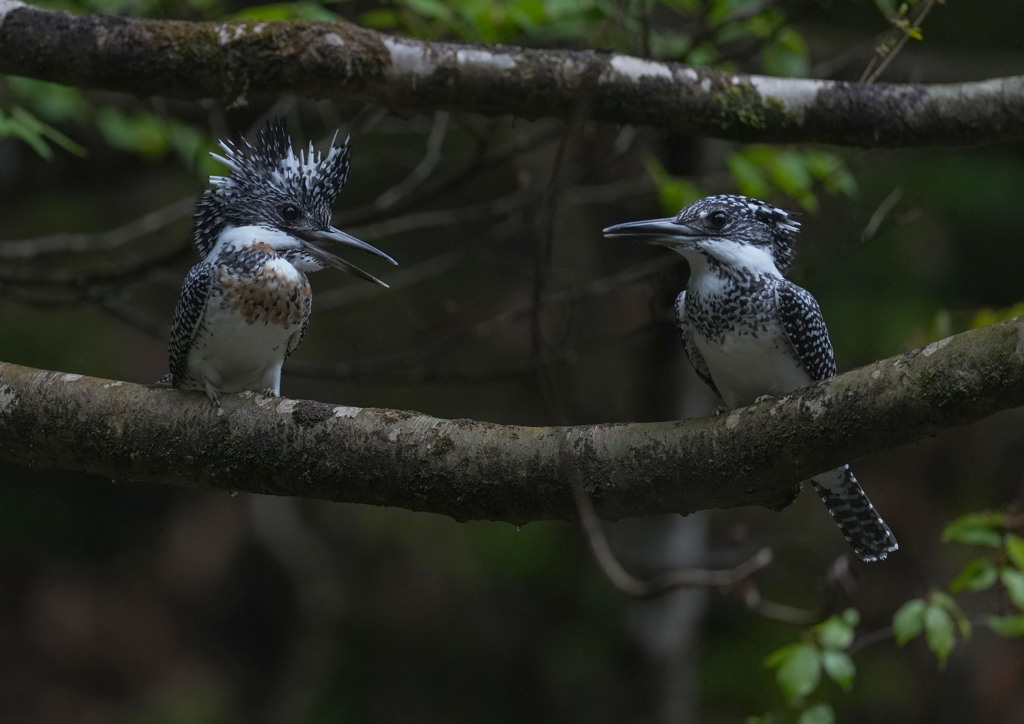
(467,469)
(343,61)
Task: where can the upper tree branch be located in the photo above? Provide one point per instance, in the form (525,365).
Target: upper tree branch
(341,60)
(467,469)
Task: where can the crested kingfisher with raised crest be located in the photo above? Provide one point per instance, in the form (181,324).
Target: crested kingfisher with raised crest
(259,230)
(750,333)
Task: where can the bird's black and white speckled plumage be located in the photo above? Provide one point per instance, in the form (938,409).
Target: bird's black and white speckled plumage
(264,175)
(244,308)
(749,332)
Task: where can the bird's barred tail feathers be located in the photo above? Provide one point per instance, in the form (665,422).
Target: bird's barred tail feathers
(856,517)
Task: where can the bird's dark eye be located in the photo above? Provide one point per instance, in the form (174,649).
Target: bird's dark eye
(289,212)
(718,218)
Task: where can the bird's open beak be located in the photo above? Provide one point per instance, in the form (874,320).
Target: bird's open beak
(315,241)
(337,236)
(653,231)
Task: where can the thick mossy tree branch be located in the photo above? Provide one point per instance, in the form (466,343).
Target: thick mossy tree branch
(232,61)
(466,469)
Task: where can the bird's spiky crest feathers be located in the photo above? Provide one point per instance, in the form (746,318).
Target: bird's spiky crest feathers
(265,175)
(780,224)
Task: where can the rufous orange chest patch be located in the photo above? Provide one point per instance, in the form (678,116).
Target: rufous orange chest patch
(267,295)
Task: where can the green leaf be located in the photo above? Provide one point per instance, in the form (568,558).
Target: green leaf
(1015,547)
(985,317)
(818,714)
(1014,582)
(786,55)
(834,632)
(976,529)
(379,19)
(831,170)
(977,575)
(668,45)
(750,179)
(429,8)
(887,8)
(140,132)
(674,192)
(54,102)
(22,124)
(908,621)
(685,6)
(1009,626)
(778,657)
(799,675)
(938,631)
(839,667)
(286,11)
(947,602)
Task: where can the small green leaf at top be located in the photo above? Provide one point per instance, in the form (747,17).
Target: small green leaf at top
(908,621)
(947,602)
(938,631)
(887,8)
(985,317)
(800,673)
(1008,626)
(839,667)
(977,575)
(976,529)
(749,176)
(1014,582)
(429,8)
(778,657)
(836,632)
(674,192)
(19,123)
(302,10)
(1015,550)
(379,19)
(818,714)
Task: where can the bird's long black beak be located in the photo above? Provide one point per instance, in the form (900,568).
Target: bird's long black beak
(314,245)
(337,236)
(653,231)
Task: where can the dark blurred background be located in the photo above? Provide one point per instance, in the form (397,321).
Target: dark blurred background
(131,603)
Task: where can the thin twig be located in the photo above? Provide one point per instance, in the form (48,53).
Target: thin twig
(882,58)
(485,158)
(494,208)
(135,317)
(122,269)
(389,366)
(753,600)
(334,299)
(880,214)
(61,243)
(407,368)
(423,169)
(663,583)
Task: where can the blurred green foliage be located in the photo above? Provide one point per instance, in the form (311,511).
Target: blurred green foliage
(19,123)
(149,135)
(824,649)
(483,603)
(765,171)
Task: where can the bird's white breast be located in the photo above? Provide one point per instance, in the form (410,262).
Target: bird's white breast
(751,355)
(249,326)
(745,367)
